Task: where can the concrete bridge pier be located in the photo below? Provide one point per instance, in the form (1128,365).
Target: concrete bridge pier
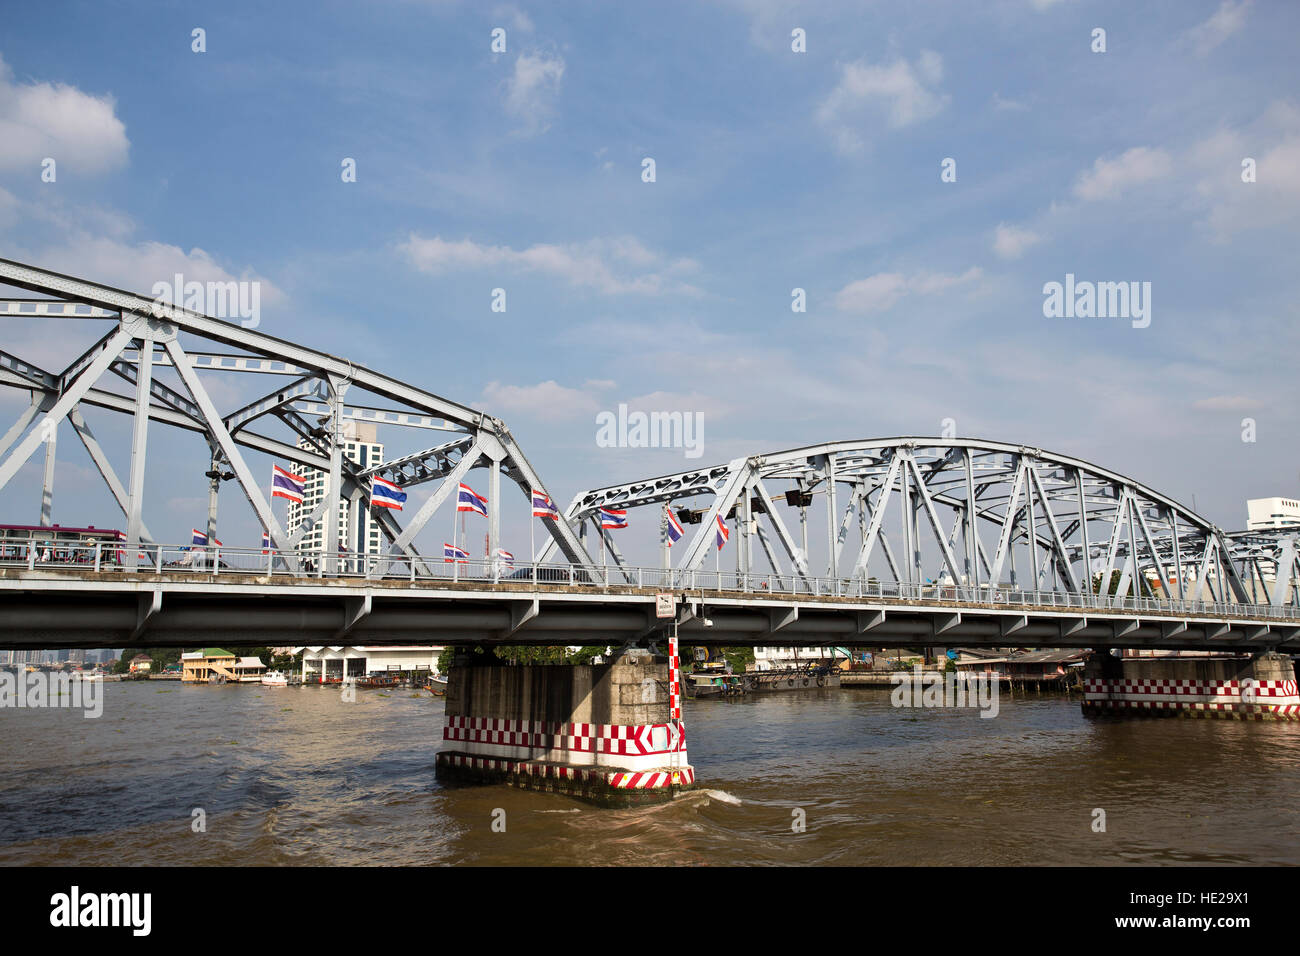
(1262,687)
(610,733)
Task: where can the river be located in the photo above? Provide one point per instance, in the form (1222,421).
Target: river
(299,776)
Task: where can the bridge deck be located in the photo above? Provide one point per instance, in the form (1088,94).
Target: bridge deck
(76,607)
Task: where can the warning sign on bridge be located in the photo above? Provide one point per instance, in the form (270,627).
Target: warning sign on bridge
(665,605)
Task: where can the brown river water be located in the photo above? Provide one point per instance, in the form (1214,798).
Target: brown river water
(299,776)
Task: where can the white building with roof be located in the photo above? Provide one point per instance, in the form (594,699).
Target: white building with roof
(336,663)
(1278,512)
(782,658)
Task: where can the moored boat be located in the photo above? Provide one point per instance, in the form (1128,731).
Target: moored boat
(374,681)
(436,685)
(706,684)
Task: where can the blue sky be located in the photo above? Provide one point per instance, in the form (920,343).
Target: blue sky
(774,170)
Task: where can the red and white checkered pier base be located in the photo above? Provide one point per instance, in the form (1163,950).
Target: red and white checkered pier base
(1228,688)
(611,733)
(597,784)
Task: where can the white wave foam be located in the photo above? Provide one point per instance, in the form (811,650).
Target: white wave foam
(720,795)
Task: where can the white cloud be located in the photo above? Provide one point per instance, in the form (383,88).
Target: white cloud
(8,209)
(38,120)
(1231,205)
(518,19)
(907,92)
(84,239)
(1010,242)
(1223,23)
(547,401)
(613,266)
(533,89)
(1226,403)
(1004,105)
(1109,177)
(689,402)
(135,267)
(881,292)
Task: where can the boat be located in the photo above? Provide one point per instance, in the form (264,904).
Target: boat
(794,678)
(705,684)
(275,679)
(436,685)
(716,684)
(375,681)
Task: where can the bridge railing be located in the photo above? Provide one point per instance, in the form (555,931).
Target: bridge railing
(109,557)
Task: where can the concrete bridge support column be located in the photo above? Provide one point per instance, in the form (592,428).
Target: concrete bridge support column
(1238,688)
(609,733)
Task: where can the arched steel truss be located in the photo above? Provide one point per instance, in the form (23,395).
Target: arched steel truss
(974,514)
(321,392)
(970,513)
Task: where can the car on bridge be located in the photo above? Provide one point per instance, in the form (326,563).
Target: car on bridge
(548,574)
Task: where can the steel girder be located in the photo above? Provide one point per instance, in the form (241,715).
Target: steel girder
(147,336)
(1061,523)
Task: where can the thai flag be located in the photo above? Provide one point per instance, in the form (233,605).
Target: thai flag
(675,531)
(613,519)
(285,484)
(723,533)
(121,555)
(201,540)
(266,543)
(470,500)
(542,507)
(506,557)
(451,553)
(385,494)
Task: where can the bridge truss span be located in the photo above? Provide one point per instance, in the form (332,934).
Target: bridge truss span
(981,516)
(156,362)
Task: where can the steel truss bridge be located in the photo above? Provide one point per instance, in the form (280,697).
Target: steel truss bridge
(927,541)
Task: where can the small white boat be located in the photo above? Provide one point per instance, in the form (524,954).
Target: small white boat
(275,679)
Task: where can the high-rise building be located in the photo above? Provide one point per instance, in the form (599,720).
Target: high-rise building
(1272,513)
(360,447)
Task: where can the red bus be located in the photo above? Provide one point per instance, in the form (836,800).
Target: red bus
(57,544)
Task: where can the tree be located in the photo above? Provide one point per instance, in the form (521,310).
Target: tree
(286,662)
(738,658)
(1144,587)
(160,656)
(529,654)
(584,655)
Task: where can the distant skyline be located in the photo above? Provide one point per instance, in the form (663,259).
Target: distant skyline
(920,172)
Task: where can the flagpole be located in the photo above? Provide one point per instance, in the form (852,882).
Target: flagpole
(454,564)
(663,537)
